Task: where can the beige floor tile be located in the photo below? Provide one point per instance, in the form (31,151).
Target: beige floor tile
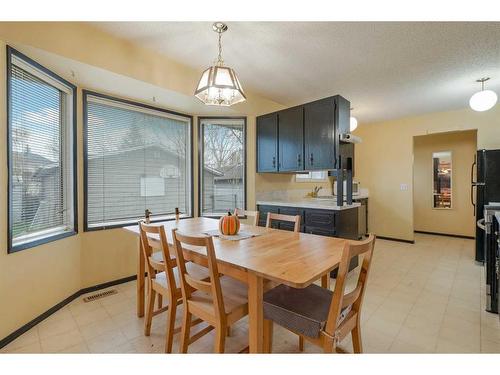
(27,338)
(80,348)
(98,328)
(422,324)
(414,336)
(53,327)
(399,346)
(78,307)
(491,333)
(376,340)
(106,341)
(489,319)
(93,316)
(143,344)
(447,346)
(120,307)
(134,329)
(57,343)
(32,348)
(488,346)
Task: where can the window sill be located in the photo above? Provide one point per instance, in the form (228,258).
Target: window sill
(132,222)
(27,245)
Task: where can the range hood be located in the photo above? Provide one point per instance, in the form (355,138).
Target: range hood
(349,138)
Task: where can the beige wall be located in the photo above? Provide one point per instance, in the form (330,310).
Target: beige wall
(36,279)
(384,161)
(460,219)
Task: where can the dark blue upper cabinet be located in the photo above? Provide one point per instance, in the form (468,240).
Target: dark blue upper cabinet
(291,139)
(319,131)
(267,143)
(304,137)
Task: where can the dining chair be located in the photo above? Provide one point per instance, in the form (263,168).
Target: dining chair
(271,216)
(220,301)
(319,315)
(241,212)
(163,279)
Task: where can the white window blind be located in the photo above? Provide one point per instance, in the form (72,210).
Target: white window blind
(137,158)
(41,201)
(223,160)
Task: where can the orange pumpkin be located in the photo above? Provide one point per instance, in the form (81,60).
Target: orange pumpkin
(229,225)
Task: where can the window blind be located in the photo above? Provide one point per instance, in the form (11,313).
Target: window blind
(137,158)
(223,159)
(41,158)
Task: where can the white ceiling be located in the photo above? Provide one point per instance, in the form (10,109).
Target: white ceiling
(387,70)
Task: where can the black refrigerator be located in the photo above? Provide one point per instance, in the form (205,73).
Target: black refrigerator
(487,190)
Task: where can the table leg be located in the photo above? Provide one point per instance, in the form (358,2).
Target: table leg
(255,313)
(325,281)
(141,269)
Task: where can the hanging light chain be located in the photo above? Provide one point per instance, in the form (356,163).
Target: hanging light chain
(220,60)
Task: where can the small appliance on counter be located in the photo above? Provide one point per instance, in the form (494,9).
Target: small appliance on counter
(355,187)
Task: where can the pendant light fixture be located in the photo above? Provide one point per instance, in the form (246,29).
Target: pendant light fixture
(219,84)
(484,99)
(353,122)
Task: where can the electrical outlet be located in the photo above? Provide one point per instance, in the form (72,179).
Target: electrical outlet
(403,187)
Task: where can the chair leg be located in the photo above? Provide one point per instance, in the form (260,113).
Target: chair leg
(228,331)
(301,344)
(268,336)
(186,328)
(329,346)
(220,339)
(356,339)
(171,312)
(149,312)
(160,301)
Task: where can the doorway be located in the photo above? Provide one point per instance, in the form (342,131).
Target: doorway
(442,165)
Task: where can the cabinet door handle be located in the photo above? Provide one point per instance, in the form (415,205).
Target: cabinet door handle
(274,161)
(312,159)
(299,160)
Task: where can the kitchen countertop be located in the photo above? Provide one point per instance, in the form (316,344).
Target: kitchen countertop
(322,204)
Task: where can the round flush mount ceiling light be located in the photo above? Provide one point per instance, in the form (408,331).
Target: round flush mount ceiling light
(353,122)
(219,85)
(484,99)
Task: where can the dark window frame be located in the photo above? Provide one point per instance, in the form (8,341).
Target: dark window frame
(85,94)
(10,248)
(201,162)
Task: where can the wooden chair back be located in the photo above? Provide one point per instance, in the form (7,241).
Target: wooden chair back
(255,214)
(354,298)
(153,237)
(289,218)
(189,283)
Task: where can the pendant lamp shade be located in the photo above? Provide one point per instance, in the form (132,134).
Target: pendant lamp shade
(219,85)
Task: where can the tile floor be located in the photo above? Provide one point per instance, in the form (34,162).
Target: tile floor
(422,298)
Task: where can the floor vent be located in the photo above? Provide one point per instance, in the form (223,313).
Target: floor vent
(99,295)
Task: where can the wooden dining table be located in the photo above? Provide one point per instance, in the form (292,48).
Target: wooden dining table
(283,257)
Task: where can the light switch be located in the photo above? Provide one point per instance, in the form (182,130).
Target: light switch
(403,187)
